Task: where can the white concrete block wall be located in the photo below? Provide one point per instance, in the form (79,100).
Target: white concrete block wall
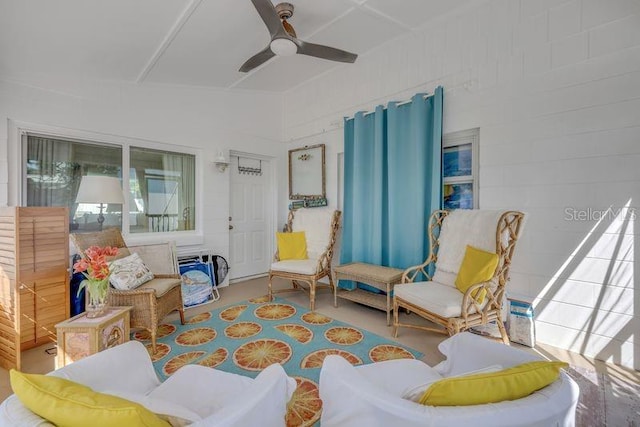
(554,86)
(206,120)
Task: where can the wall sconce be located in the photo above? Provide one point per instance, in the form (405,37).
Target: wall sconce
(221,162)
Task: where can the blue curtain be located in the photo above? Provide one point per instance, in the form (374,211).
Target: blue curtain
(392,182)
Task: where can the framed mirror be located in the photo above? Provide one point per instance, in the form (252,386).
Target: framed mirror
(307,173)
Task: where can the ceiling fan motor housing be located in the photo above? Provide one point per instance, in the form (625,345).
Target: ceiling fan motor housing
(284,43)
(285,10)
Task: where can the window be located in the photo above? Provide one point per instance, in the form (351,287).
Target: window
(460,169)
(161,183)
(54,168)
(162,191)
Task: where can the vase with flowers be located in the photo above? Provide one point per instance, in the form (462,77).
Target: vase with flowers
(95,268)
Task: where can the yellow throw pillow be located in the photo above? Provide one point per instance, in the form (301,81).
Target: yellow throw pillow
(477,266)
(508,384)
(292,245)
(69,404)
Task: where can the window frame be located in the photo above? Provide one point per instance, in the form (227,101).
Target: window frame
(459,138)
(182,237)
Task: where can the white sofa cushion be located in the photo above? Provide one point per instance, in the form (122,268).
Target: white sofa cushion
(196,380)
(443,300)
(135,376)
(485,353)
(399,375)
(14,413)
(227,400)
(352,398)
(300,266)
(263,403)
(159,406)
(316,223)
(464,227)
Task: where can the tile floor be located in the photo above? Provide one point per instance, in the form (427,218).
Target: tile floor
(42,359)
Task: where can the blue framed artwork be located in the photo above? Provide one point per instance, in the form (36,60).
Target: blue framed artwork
(458,196)
(457,161)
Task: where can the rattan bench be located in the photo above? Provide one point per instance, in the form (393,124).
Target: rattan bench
(379,277)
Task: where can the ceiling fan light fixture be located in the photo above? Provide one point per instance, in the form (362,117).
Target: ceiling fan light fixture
(283,47)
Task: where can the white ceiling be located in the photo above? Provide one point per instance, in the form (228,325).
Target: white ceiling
(191,42)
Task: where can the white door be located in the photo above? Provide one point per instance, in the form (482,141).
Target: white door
(250,221)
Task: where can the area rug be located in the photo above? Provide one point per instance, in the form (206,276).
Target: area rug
(247,337)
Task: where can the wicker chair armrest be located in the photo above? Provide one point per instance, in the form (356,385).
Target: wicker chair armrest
(323,261)
(126,292)
(167,276)
(412,272)
(471,306)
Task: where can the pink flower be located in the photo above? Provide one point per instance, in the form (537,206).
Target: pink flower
(94,263)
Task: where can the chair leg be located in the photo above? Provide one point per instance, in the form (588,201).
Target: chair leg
(181,311)
(270,293)
(312,295)
(154,332)
(333,289)
(395,317)
(503,332)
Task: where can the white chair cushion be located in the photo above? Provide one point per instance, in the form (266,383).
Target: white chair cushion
(316,224)
(159,257)
(445,278)
(464,227)
(161,285)
(299,266)
(432,296)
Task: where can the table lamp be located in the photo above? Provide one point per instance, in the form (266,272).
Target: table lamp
(100,189)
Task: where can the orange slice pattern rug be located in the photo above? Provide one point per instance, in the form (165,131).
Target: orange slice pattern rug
(247,337)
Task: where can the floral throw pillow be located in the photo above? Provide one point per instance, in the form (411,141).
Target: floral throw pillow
(129,272)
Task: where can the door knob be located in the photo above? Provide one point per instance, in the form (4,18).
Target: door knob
(230,227)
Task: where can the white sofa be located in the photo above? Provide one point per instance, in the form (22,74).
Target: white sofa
(370,395)
(205,396)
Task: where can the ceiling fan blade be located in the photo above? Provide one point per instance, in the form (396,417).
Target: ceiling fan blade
(257,59)
(267,12)
(324,52)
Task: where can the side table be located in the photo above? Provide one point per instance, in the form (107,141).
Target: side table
(379,277)
(81,336)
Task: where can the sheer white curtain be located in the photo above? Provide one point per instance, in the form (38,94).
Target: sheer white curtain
(53,177)
(182,168)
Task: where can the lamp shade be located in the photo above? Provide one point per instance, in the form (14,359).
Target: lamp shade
(99,189)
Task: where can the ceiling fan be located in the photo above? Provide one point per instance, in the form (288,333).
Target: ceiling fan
(284,41)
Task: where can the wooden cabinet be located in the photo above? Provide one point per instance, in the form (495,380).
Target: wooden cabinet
(34,278)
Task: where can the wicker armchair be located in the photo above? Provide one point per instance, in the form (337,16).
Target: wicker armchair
(156,298)
(321,227)
(436,297)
